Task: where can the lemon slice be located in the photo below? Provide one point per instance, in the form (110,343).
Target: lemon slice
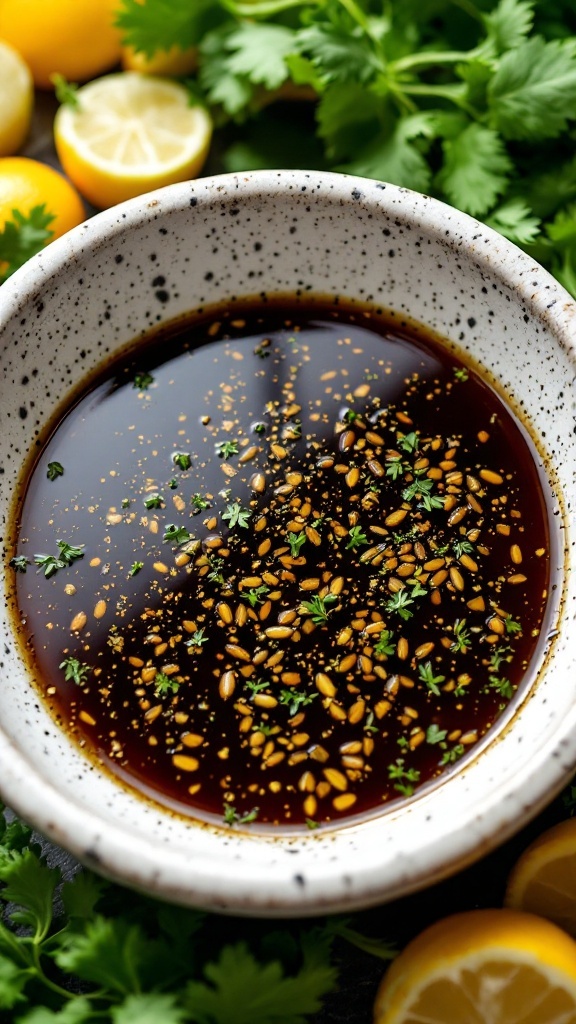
(544,878)
(482,967)
(16,100)
(130,133)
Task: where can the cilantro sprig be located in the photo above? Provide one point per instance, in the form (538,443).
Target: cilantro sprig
(454,102)
(107,954)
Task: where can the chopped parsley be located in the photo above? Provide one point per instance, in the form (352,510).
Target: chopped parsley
(75,670)
(236,515)
(226,449)
(54,470)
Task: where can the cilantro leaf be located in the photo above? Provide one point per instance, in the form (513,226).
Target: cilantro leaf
(476,169)
(22,237)
(161,24)
(533,92)
(337,53)
(150,1008)
(394,156)
(514,219)
(240,990)
(509,23)
(12,982)
(78,1010)
(109,952)
(30,884)
(223,87)
(258,51)
(81,894)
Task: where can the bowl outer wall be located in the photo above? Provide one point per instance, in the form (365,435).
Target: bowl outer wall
(154,258)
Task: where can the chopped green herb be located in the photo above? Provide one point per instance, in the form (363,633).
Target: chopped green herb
(199,503)
(461,374)
(409,443)
(295,699)
(462,636)
(164,685)
(255,595)
(317,608)
(356,538)
(400,602)
(231,816)
(511,625)
(216,566)
(256,686)
(236,515)
(154,501)
(172,483)
(435,735)
(384,645)
(311,824)
(68,553)
(142,381)
(450,756)
(395,467)
(197,639)
(125,503)
(226,449)
(75,670)
(54,470)
(176,534)
(182,460)
(426,673)
(19,563)
(399,773)
(135,568)
(502,686)
(462,547)
(296,540)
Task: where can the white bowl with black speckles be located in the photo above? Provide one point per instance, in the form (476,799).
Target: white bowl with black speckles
(154,258)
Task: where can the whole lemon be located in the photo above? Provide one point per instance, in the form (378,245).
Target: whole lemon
(26,183)
(74,38)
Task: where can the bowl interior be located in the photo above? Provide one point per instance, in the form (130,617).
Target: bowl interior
(194,246)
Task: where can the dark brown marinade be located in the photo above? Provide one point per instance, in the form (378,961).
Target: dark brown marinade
(351,611)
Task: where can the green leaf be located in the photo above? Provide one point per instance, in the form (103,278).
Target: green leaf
(225,88)
(22,237)
(160,24)
(338,54)
(347,115)
(394,157)
(78,1010)
(533,93)
(509,23)
(476,169)
(240,990)
(81,895)
(151,1008)
(30,883)
(12,982)
(110,953)
(258,51)
(514,219)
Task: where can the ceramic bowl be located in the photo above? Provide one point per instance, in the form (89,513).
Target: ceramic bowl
(157,257)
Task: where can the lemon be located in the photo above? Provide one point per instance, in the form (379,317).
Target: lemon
(74,38)
(131,133)
(544,878)
(16,100)
(26,183)
(164,62)
(482,967)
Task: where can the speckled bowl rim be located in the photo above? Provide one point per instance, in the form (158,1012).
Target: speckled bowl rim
(348,870)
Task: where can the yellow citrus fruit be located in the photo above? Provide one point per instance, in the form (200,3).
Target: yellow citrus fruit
(131,133)
(74,38)
(16,100)
(164,62)
(482,967)
(27,183)
(544,878)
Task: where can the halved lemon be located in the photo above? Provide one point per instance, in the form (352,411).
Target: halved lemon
(544,878)
(16,100)
(131,133)
(482,967)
